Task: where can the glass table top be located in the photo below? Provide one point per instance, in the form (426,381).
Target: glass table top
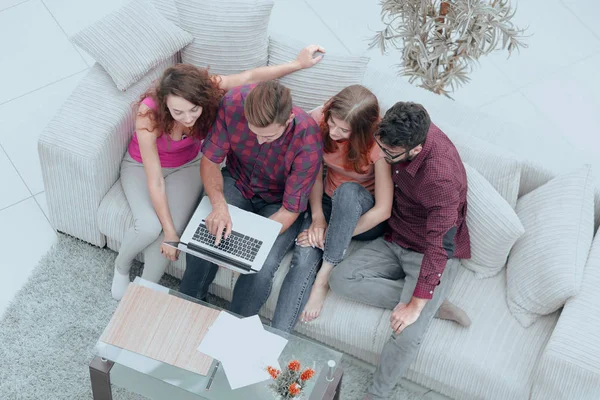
(156,379)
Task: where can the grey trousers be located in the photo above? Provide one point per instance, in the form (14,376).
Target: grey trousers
(383,274)
(183,187)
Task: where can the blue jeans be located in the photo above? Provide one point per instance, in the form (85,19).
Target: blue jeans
(251,291)
(350,201)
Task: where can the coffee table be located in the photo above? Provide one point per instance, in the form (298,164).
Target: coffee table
(157,380)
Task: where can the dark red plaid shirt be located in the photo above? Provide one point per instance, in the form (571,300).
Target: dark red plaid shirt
(430,205)
(282,171)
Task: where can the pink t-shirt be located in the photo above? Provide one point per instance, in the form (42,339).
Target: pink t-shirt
(172,153)
(337,173)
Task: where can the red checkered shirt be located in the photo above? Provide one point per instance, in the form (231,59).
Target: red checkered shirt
(430,205)
(280,171)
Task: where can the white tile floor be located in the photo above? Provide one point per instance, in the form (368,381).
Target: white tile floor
(551,88)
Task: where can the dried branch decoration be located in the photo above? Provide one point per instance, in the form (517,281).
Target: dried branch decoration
(440,40)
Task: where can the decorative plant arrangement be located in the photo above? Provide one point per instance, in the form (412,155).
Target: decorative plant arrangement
(440,40)
(290,382)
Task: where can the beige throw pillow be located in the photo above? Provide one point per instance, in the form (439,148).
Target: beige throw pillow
(545,267)
(230,36)
(494,227)
(131,41)
(313,86)
(499,167)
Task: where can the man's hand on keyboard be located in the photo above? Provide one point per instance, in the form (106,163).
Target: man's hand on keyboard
(218,221)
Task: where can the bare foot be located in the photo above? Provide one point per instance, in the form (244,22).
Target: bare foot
(315,302)
(451,312)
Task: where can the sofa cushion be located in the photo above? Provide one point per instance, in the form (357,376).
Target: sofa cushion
(230,36)
(501,168)
(545,267)
(493,226)
(131,41)
(312,87)
(494,359)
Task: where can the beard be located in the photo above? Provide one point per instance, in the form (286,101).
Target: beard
(401,160)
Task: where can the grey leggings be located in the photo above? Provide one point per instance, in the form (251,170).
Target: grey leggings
(183,188)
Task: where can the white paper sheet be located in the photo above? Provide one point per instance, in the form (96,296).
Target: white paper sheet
(219,341)
(268,344)
(244,348)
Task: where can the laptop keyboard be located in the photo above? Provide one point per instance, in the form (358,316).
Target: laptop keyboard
(236,244)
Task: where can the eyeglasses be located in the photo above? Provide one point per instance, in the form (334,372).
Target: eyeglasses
(387,153)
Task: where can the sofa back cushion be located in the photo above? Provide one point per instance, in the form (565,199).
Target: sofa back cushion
(545,267)
(313,86)
(230,36)
(534,175)
(494,227)
(500,168)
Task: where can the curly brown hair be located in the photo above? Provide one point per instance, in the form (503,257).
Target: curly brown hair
(191,83)
(357,106)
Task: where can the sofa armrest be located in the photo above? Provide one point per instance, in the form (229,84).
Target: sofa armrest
(81,150)
(569,367)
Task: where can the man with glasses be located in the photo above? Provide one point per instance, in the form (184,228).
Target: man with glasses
(412,268)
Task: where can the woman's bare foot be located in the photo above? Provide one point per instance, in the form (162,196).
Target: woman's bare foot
(451,312)
(319,290)
(313,307)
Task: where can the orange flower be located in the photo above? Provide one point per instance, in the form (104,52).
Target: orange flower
(294,365)
(307,374)
(273,372)
(294,389)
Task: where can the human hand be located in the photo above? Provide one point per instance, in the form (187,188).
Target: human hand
(314,236)
(219,221)
(316,233)
(306,58)
(170,252)
(302,239)
(402,316)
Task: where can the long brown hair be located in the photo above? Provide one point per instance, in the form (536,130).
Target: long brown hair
(358,107)
(193,84)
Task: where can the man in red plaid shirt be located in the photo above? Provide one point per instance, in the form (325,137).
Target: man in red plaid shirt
(273,152)
(411,269)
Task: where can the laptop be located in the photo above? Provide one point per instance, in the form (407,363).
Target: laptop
(246,248)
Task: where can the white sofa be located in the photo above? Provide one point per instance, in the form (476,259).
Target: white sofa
(558,357)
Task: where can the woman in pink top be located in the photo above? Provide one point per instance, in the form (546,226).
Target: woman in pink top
(160,173)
